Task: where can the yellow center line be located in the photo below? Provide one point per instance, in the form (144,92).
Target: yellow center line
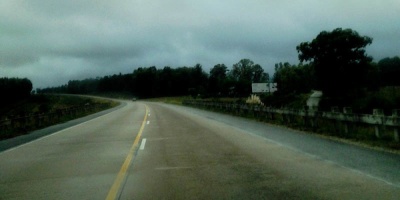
(112,194)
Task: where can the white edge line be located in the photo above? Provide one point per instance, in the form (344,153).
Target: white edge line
(320,158)
(143,144)
(332,162)
(173,168)
(55,133)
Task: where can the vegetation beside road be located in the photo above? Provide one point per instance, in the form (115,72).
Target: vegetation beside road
(39,111)
(357,133)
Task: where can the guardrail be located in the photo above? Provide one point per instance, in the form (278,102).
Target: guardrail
(310,117)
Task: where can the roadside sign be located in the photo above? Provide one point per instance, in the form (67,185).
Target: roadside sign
(259,87)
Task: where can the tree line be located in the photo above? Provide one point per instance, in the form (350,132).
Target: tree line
(334,62)
(151,82)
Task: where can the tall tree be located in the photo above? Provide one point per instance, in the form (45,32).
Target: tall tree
(244,73)
(292,79)
(199,80)
(339,60)
(259,76)
(217,80)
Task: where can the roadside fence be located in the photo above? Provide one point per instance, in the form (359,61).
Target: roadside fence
(339,121)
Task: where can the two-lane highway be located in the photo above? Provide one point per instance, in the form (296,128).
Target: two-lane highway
(158,151)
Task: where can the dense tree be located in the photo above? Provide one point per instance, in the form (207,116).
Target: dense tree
(58,90)
(244,73)
(165,82)
(390,71)
(14,89)
(190,80)
(199,80)
(144,82)
(258,74)
(217,80)
(339,60)
(182,81)
(153,82)
(292,79)
(114,83)
(373,77)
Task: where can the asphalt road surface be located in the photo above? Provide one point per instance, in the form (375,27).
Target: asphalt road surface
(149,150)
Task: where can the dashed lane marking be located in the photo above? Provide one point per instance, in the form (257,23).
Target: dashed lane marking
(143,144)
(115,188)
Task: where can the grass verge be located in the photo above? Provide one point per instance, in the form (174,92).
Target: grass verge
(41,111)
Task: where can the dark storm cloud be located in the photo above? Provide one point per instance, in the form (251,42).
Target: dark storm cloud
(53,41)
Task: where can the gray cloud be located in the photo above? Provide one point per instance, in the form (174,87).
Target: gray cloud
(15,59)
(53,41)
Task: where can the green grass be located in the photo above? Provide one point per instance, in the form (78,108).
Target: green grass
(170,100)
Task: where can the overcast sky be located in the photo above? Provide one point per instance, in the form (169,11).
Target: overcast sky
(53,41)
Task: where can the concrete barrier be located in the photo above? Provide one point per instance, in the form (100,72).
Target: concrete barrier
(345,118)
